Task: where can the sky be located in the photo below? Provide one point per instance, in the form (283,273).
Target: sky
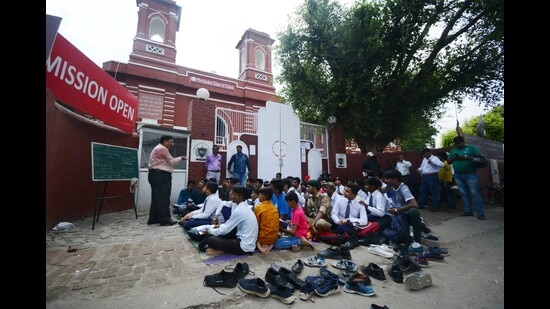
(209,31)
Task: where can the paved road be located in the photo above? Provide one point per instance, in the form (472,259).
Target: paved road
(124,263)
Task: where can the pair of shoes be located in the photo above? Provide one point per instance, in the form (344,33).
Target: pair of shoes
(315,261)
(298,266)
(396,274)
(307,290)
(336,253)
(352,243)
(438,250)
(329,275)
(434,257)
(274,277)
(222,279)
(415,250)
(417,281)
(240,270)
(421,260)
(254,286)
(466,214)
(406,265)
(291,277)
(282,293)
(481,217)
(360,277)
(374,249)
(345,264)
(374,271)
(327,288)
(171,222)
(375,306)
(353,287)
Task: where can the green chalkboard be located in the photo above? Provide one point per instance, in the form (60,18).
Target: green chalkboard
(110,163)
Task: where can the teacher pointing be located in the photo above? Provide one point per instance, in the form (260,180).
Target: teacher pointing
(161,166)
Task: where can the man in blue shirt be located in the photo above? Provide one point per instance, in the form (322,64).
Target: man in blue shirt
(238,165)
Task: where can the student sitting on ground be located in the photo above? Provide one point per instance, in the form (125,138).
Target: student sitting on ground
(243,219)
(298,227)
(268,221)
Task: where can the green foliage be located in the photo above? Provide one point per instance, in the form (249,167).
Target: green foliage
(385,69)
(494,127)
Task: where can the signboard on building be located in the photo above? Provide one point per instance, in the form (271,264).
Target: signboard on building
(77,81)
(488,148)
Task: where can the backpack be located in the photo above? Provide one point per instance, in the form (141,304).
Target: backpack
(331,238)
(373,227)
(398,232)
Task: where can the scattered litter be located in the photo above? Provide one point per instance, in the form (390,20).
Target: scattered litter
(63,226)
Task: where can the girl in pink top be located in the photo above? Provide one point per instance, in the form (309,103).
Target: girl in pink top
(298,228)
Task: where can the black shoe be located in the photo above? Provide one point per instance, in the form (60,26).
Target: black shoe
(222,279)
(240,270)
(352,243)
(274,277)
(291,277)
(172,222)
(374,271)
(298,266)
(466,214)
(396,274)
(333,253)
(406,265)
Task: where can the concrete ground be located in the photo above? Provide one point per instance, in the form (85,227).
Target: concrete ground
(124,263)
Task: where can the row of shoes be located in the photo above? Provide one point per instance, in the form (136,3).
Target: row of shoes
(407,269)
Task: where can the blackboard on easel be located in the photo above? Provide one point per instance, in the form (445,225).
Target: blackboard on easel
(113,163)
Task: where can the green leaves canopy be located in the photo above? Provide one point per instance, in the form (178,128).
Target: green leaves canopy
(384,67)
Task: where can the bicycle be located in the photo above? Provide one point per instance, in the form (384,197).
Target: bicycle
(493,193)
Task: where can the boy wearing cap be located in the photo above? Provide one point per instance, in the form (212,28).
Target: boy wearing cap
(371,166)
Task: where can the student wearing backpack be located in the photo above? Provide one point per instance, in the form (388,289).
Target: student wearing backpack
(404,203)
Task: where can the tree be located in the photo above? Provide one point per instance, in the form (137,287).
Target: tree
(494,127)
(384,67)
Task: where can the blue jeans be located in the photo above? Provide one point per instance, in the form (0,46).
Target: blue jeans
(430,184)
(286,242)
(469,192)
(241,177)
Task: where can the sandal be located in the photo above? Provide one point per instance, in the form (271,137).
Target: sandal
(345,265)
(315,261)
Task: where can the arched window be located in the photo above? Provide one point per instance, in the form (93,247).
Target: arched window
(156,30)
(259,57)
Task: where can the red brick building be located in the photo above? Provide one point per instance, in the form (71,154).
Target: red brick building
(168,104)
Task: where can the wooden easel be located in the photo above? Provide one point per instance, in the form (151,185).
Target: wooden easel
(99,199)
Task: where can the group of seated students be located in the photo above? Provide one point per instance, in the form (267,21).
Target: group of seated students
(280,216)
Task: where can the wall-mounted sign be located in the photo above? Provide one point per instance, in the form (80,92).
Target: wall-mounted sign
(77,81)
(150,106)
(211,82)
(341,160)
(200,149)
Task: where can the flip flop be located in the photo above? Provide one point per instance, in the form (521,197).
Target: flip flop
(315,261)
(345,265)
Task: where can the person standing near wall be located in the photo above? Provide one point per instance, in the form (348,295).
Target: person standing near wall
(466,177)
(161,166)
(403,166)
(239,165)
(213,164)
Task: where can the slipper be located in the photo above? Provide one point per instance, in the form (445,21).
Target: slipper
(345,264)
(315,261)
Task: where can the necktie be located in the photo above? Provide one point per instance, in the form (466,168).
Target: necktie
(347,210)
(370,200)
(204,206)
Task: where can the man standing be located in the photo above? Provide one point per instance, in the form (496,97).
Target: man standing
(241,162)
(403,166)
(371,166)
(466,177)
(213,164)
(161,166)
(429,171)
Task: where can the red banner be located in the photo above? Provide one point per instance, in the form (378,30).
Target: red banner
(78,82)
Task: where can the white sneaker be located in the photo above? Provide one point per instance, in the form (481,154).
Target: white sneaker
(379,251)
(386,248)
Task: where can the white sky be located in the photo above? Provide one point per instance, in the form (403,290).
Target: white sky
(209,31)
